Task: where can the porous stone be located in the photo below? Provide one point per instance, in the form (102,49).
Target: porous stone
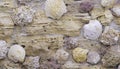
(6,25)
(35,44)
(116,10)
(112,56)
(79,54)
(109,36)
(16,53)
(92,30)
(61,55)
(23,15)
(55,8)
(3,49)
(32,62)
(107,3)
(93,57)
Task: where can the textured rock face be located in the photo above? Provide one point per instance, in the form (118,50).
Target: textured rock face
(55,8)
(93,57)
(24,15)
(3,49)
(6,25)
(33,45)
(79,54)
(92,30)
(16,53)
(109,36)
(32,62)
(112,56)
(116,10)
(107,3)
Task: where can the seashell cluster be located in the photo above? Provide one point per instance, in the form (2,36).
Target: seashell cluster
(59,34)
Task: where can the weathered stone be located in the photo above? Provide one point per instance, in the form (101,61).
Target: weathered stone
(107,18)
(23,15)
(93,57)
(79,54)
(116,10)
(112,56)
(3,49)
(92,30)
(34,44)
(66,26)
(55,8)
(16,53)
(32,62)
(107,3)
(61,55)
(6,25)
(7,64)
(109,36)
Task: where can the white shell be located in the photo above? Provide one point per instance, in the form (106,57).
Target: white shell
(55,8)
(16,53)
(92,30)
(3,49)
(93,57)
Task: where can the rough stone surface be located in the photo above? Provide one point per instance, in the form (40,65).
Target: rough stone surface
(3,49)
(23,15)
(16,53)
(79,54)
(55,8)
(93,57)
(112,56)
(109,36)
(32,62)
(92,30)
(107,3)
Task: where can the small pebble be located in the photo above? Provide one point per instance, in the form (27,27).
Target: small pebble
(79,54)
(16,53)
